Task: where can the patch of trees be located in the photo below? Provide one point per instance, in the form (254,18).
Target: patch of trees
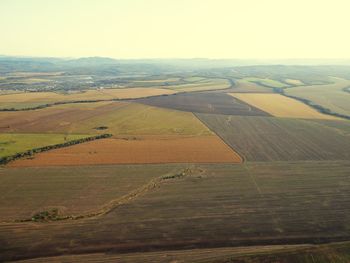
(29,153)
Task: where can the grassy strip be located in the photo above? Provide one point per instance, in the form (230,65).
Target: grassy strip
(7,159)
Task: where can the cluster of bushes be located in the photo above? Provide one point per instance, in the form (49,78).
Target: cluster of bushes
(101,128)
(50,215)
(174,176)
(7,159)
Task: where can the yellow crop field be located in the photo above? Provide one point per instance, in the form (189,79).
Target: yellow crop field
(281,106)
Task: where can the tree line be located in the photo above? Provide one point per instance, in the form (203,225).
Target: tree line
(31,152)
(319,108)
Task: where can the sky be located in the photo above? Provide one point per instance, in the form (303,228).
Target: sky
(242,29)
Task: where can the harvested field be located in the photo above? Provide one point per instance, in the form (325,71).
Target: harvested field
(137,150)
(12,143)
(73,190)
(281,106)
(117,118)
(250,254)
(214,206)
(214,103)
(342,127)
(329,96)
(35,99)
(280,139)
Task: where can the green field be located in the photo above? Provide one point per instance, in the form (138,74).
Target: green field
(330,96)
(139,119)
(12,143)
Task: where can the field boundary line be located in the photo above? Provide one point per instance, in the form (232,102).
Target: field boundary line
(221,138)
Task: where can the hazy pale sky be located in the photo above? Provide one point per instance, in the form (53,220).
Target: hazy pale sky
(176,28)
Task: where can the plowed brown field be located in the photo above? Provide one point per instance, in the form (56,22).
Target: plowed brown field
(138,150)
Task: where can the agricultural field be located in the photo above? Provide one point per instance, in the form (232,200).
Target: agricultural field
(280,139)
(331,97)
(245,86)
(281,106)
(201,85)
(118,118)
(294,82)
(208,206)
(213,103)
(253,254)
(137,150)
(36,99)
(342,127)
(162,81)
(148,161)
(182,84)
(338,252)
(270,83)
(12,143)
(72,190)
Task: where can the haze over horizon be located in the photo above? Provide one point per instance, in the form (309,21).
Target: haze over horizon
(133,29)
